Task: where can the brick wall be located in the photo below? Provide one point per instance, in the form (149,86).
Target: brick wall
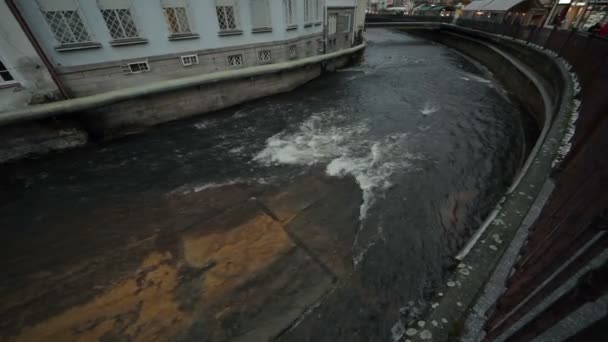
(95,79)
(139,113)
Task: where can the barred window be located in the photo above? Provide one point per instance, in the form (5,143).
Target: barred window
(136,67)
(120,23)
(293,51)
(309,48)
(290,13)
(189,60)
(235,61)
(5,75)
(264,56)
(226,15)
(177,20)
(67,26)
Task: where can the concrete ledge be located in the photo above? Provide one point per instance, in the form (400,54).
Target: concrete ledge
(547,93)
(112,97)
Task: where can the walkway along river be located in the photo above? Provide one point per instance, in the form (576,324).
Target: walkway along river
(324,214)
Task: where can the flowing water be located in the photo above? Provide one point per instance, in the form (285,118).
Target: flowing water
(428,139)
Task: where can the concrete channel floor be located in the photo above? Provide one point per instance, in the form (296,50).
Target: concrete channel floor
(235,262)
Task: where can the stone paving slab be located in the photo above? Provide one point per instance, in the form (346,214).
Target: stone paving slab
(197,264)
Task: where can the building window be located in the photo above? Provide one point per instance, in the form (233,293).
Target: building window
(120,23)
(67,26)
(189,60)
(264,56)
(5,75)
(260,16)
(136,67)
(319,46)
(290,14)
(226,15)
(308,48)
(331,24)
(177,20)
(318,10)
(344,23)
(293,51)
(308,11)
(235,61)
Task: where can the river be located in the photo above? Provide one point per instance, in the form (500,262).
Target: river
(376,175)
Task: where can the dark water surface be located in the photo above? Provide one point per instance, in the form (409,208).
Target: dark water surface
(423,140)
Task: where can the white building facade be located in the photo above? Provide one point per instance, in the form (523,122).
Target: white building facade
(24,78)
(102,45)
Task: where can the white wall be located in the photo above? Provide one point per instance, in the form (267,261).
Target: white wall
(18,55)
(150,21)
(341,3)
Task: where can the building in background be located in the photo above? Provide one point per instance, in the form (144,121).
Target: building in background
(524,12)
(101,45)
(567,14)
(24,77)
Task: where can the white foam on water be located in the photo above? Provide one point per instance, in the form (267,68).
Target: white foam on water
(371,163)
(429,108)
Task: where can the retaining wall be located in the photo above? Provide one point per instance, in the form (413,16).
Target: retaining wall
(542,86)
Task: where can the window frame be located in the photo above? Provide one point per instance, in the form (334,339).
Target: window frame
(290,14)
(5,70)
(189,60)
(332,24)
(223,5)
(235,66)
(49,15)
(262,60)
(124,40)
(254,6)
(173,10)
(127,69)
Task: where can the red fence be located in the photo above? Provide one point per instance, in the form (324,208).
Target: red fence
(571,230)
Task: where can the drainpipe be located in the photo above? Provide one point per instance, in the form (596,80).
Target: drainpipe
(47,63)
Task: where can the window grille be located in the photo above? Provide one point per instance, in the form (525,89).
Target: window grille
(309,48)
(226,15)
(5,75)
(136,67)
(189,60)
(67,26)
(290,12)
(120,23)
(264,56)
(177,20)
(319,45)
(235,61)
(293,51)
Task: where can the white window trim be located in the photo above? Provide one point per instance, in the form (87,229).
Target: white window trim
(253,9)
(332,22)
(12,82)
(235,13)
(290,14)
(136,38)
(128,68)
(189,32)
(189,60)
(236,66)
(308,12)
(261,53)
(66,6)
